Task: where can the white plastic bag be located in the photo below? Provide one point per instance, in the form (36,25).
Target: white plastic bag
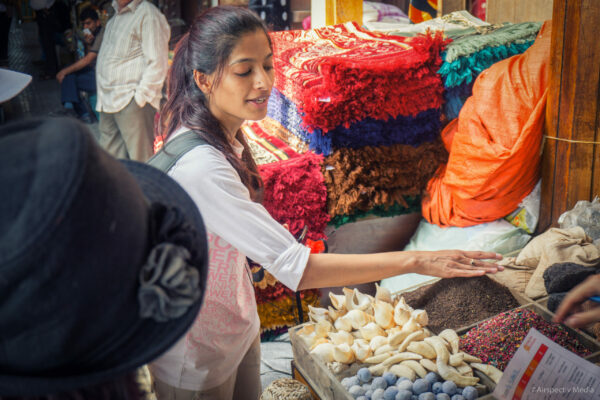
(585,215)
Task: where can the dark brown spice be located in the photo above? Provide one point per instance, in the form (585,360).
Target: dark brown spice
(458,302)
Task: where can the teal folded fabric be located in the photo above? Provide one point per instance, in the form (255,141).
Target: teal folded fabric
(507,34)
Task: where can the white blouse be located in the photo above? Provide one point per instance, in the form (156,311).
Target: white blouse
(237,227)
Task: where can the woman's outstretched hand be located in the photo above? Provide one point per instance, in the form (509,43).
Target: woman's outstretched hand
(458,263)
(325,270)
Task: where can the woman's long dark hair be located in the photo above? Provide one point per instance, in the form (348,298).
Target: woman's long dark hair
(206,48)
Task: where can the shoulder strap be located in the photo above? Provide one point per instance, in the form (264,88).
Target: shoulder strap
(174,149)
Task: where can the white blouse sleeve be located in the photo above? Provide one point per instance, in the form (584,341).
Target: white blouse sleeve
(228,211)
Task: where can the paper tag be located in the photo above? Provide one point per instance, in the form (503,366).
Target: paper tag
(541,369)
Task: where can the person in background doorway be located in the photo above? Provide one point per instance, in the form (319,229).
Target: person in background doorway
(81,75)
(130,72)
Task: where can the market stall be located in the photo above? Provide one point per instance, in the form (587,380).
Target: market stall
(370,112)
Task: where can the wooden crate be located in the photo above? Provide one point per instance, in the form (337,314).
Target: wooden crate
(319,378)
(300,376)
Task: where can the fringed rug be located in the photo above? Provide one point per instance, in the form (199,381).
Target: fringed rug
(342,73)
(295,194)
(360,180)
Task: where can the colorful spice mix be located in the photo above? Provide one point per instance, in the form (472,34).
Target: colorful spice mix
(496,340)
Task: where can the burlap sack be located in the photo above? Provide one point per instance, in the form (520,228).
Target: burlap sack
(515,277)
(556,246)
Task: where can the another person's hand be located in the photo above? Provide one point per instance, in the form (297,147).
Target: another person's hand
(458,263)
(570,310)
(61,75)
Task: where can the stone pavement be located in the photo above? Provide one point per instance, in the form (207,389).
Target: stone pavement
(40,97)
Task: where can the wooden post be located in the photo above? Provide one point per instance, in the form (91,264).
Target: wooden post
(570,167)
(447,6)
(332,12)
(499,11)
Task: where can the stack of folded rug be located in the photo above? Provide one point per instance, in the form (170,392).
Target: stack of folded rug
(370,104)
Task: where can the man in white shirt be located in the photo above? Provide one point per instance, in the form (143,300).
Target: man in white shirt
(130,72)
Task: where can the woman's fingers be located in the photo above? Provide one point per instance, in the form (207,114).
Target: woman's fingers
(486,268)
(465,273)
(470,263)
(482,255)
(458,263)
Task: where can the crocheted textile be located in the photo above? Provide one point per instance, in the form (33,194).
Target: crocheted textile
(342,73)
(467,56)
(460,75)
(491,36)
(423,128)
(295,194)
(359,180)
(466,69)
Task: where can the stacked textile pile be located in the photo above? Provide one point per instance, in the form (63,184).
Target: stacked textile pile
(295,195)
(476,50)
(368,102)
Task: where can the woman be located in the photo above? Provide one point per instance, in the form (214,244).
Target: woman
(222,75)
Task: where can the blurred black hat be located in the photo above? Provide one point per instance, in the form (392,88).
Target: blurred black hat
(103,263)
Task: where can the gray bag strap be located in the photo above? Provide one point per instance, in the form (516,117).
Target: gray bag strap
(174,149)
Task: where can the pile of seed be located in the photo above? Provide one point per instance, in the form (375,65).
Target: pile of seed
(496,340)
(458,302)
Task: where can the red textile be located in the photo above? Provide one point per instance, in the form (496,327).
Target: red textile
(267,141)
(494,146)
(295,194)
(342,73)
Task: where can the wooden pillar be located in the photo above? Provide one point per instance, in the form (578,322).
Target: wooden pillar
(571,160)
(332,12)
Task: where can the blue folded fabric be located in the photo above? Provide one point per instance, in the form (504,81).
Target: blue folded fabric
(423,128)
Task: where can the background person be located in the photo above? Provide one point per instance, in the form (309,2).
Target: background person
(130,72)
(103,264)
(81,75)
(222,75)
